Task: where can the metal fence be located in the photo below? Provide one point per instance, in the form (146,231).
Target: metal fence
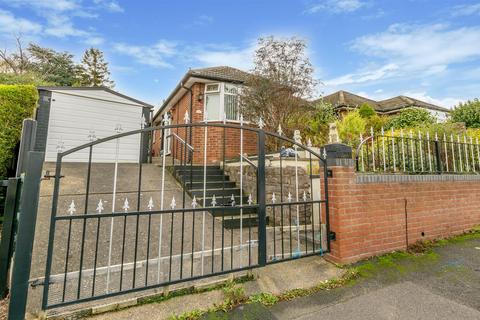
(213,222)
(417,153)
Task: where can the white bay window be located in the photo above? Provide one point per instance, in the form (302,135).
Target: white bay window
(221,99)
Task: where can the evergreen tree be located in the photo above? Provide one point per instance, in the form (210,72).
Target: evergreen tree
(93,70)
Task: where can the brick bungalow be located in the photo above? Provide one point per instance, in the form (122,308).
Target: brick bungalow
(344,101)
(214,90)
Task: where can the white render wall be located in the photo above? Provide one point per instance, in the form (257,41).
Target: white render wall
(77,113)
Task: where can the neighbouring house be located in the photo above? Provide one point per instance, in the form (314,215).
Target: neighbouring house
(68,117)
(206,94)
(344,101)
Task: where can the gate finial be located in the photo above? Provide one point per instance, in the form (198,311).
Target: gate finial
(250,200)
(126,206)
(232,200)
(261,124)
(100,206)
(214,201)
(72,208)
(279,130)
(194,202)
(289,198)
(186,117)
(91,135)
(273,198)
(304,196)
(173,204)
(309,143)
(150,204)
(143,122)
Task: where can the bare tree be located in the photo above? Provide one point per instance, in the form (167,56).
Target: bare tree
(280,85)
(17,62)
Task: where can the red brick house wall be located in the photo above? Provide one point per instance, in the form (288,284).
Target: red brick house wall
(215,146)
(371,214)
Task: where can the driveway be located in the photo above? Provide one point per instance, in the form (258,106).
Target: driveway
(444,284)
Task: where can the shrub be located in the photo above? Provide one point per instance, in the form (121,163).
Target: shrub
(468,113)
(350,127)
(366,111)
(17,102)
(317,123)
(411,117)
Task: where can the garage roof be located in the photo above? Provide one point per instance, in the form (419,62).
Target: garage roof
(100,88)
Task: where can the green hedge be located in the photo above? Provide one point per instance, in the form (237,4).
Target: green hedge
(17,102)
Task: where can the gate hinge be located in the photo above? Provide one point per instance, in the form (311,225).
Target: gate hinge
(48,176)
(38,282)
(332,236)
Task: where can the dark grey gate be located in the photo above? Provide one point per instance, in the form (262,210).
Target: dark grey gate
(252,208)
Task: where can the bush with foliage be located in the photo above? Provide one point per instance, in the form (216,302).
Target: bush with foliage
(411,117)
(17,102)
(350,128)
(318,123)
(468,113)
(366,111)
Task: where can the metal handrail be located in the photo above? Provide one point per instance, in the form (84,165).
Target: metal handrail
(250,162)
(173,134)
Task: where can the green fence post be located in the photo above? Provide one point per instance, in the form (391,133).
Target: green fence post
(26,232)
(6,244)
(261,194)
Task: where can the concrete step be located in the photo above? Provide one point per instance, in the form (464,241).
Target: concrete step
(218,192)
(210,184)
(200,177)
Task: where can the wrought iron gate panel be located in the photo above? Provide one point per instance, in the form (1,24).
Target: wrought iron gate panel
(111,240)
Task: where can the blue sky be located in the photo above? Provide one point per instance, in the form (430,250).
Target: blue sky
(428,49)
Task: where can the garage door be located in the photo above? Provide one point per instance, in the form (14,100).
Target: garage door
(73,119)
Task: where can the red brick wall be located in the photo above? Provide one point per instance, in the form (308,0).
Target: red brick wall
(369,218)
(214,135)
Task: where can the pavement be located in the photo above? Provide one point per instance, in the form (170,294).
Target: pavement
(444,284)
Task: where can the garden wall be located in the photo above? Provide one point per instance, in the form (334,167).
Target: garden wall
(375,214)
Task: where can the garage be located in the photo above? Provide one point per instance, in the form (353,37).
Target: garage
(72,116)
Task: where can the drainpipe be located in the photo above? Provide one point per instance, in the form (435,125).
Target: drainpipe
(190,112)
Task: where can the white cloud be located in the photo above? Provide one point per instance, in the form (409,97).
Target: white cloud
(364,76)
(111,5)
(422,46)
(51,5)
(11,25)
(413,51)
(466,9)
(155,55)
(336,6)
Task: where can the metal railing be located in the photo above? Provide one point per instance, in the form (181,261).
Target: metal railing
(417,153)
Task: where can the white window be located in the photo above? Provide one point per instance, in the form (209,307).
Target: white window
(221,99)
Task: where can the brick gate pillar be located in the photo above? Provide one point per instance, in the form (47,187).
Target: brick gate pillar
(341,186)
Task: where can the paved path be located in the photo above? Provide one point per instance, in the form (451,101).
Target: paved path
(442,285)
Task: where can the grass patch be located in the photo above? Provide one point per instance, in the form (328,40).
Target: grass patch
(194,290)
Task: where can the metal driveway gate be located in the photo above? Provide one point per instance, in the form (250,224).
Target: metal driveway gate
(250,207)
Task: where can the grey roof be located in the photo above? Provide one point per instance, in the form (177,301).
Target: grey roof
(347,99)
(51,88)
(404,101)
(344,99)
(223,73)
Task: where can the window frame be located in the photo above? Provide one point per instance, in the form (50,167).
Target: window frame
(221,94)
